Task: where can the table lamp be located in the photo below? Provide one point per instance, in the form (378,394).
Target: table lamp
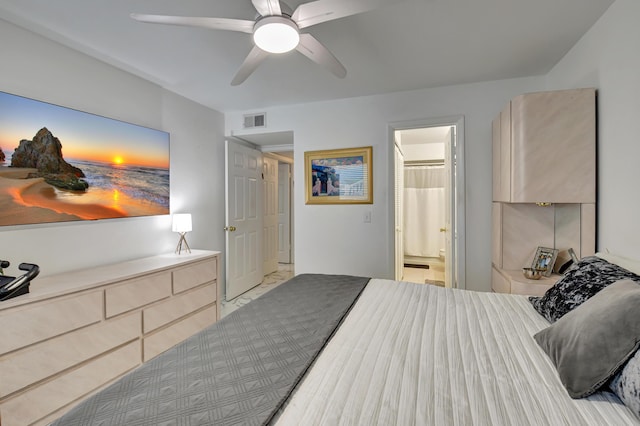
(182,224)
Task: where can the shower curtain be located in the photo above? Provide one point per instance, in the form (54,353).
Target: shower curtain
(423,210)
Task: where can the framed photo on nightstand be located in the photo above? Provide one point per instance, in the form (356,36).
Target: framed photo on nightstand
(544,260)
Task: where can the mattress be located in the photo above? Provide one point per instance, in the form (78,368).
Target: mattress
(412,354)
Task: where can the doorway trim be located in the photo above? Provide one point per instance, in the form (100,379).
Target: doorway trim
(460,213)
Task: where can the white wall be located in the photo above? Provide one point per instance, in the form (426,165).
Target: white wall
(35,67)
(334,238)
(608,58)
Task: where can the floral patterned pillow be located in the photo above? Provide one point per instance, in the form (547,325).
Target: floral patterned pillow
(579,283)
(626,384)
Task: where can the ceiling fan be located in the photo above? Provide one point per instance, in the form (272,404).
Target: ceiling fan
(277,30)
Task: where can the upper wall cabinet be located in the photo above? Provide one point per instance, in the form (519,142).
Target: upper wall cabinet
(544,148)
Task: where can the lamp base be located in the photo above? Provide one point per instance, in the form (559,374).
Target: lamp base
(181,242)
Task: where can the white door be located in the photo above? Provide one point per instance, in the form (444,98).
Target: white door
(449,210)
(243,218)
(270,212)
(399,207)
(284,213)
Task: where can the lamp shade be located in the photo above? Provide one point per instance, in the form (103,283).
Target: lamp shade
(181,222)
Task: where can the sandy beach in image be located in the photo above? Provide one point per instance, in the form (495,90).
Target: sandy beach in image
(28,201)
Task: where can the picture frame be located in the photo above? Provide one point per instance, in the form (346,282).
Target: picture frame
(339,176)
(58,164)
(544,260)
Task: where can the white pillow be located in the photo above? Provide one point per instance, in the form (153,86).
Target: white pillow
(624,262)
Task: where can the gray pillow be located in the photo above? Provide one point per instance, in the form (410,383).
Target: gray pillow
(589,344)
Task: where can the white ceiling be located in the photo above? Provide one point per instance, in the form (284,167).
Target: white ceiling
(409,45)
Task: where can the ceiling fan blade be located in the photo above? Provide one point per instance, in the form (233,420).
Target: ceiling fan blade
(267,7)
(315,12)
(251,62)
(211,23)
(310,47)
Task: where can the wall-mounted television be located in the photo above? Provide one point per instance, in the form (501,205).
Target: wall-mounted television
(59,164)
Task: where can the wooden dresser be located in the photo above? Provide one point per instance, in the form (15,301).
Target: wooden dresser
(76,332)
(544,183)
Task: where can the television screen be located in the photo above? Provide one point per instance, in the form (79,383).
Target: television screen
(58,164)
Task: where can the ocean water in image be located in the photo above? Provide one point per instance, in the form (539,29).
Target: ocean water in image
(146,184)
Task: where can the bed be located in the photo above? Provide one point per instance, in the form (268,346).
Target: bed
(333,349)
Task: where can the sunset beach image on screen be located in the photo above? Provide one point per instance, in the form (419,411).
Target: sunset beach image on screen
(59,164)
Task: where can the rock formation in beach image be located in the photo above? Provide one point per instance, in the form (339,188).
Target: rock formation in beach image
(44,153)
(2,157)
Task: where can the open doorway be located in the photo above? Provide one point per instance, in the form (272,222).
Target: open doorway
(428,183)
(424,206)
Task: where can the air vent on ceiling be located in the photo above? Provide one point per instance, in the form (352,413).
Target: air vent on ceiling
(255,120)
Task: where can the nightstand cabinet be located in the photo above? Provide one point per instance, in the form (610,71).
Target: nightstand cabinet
(512,281)
(544,183)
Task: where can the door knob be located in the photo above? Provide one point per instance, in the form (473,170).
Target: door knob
(443,229)
(230,228)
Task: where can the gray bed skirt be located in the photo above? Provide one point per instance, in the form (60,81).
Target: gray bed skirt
(240,370)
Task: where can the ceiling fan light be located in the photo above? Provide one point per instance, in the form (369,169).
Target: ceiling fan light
(276,34)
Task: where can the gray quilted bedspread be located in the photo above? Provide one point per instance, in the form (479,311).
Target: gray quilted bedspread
(240,370)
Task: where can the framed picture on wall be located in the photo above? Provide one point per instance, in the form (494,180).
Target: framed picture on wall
(339,176)
(58,164)
(544,260)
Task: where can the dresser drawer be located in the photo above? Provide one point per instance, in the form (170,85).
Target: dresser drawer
(194,275)
(43,320)
(163,339)
(178,306)
(42,400)
(138,292)
(22,368)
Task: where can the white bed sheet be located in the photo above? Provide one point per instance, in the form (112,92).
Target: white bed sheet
(411,354)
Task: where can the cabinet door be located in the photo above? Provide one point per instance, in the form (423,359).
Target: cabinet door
(505,154)
(501,149)
(553,147)
(495,138)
